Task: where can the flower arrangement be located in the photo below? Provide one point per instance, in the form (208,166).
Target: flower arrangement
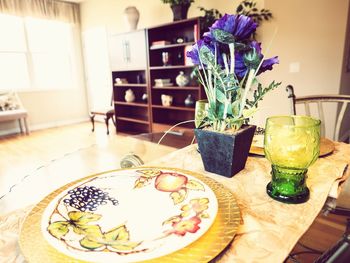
(228,62)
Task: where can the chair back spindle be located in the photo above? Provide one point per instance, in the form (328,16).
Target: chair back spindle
(342,101)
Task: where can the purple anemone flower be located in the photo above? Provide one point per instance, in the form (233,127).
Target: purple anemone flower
(242,63)
(194,53)
(241,27)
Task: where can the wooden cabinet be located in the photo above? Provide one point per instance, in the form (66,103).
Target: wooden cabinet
(128,51)
(133,116)
(173,40)
(137,57)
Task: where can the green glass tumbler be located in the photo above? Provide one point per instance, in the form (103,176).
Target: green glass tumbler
(291,144)
(200,112)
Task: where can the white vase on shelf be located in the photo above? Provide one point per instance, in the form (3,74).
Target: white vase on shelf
(181,79)
(131,16)
(129,96)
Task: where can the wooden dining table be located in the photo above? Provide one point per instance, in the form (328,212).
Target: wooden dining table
(268,229)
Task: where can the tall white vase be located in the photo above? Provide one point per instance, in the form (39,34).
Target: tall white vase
(131,16)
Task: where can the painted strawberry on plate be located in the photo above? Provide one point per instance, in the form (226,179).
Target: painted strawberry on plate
(175,183)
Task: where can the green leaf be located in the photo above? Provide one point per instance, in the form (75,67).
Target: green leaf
(194,185)
(235,107)
(223,36)
(58,229)
(206,56)
(119,233)
(247,113)
(260,92)
(124,245)
(88,243)
(220,96)
(83,217)
(88,230)
(179,197)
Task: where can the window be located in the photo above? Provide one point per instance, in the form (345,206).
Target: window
(36,54)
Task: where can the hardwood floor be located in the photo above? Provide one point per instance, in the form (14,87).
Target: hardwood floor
(20,155)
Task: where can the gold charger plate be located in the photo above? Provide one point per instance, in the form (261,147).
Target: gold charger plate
(326,147)
(36,249)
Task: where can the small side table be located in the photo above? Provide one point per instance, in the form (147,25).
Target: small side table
(108,114)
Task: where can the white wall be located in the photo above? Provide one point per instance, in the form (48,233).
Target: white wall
(312,34)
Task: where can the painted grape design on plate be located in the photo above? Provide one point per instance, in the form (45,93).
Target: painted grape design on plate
(88,198)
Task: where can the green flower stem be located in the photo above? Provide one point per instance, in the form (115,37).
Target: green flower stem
(224,57)
(250,79)
(232,56)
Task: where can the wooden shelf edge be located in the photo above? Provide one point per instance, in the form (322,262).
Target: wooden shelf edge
(178,88)
(130,85)
(137,104)
(171,67)
(133,120)
(188,20)
(156,47)
(127,70)
(183,108)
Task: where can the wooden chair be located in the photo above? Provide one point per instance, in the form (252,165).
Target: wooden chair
(342,100)
(341,205)
(108,114)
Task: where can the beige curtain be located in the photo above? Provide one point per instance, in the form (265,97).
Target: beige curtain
(48,9)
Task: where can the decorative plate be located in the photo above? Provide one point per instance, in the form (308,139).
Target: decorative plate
(125,216)
(326,146)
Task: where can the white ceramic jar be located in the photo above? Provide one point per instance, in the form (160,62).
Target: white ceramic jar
(129,96)
(131,16)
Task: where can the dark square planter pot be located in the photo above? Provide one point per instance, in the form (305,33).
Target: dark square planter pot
(225,154)
(180,11)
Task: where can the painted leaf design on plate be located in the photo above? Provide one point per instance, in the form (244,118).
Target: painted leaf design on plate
(149,173)
(89,243)
(194,185)
(142,181)
(118,233)
(171,220)
(124,245)
(89,230)
(204,215)
(58,229)
(118,239)
(179,196)
(83,217)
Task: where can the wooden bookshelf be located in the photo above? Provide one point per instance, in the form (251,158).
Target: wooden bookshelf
(141,116)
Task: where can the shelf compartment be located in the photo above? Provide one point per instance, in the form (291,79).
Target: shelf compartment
(136,104)
(182,108)
(134,78)
(129,119)
(131,127)
(171,46)
(131,85)
(119,94)
(177,88)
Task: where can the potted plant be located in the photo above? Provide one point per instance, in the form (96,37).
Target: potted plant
(179,8)
(228,62)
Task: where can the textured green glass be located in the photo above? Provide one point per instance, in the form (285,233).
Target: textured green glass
(200,111)
(291,144)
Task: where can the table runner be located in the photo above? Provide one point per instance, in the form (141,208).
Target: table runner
(269,229)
